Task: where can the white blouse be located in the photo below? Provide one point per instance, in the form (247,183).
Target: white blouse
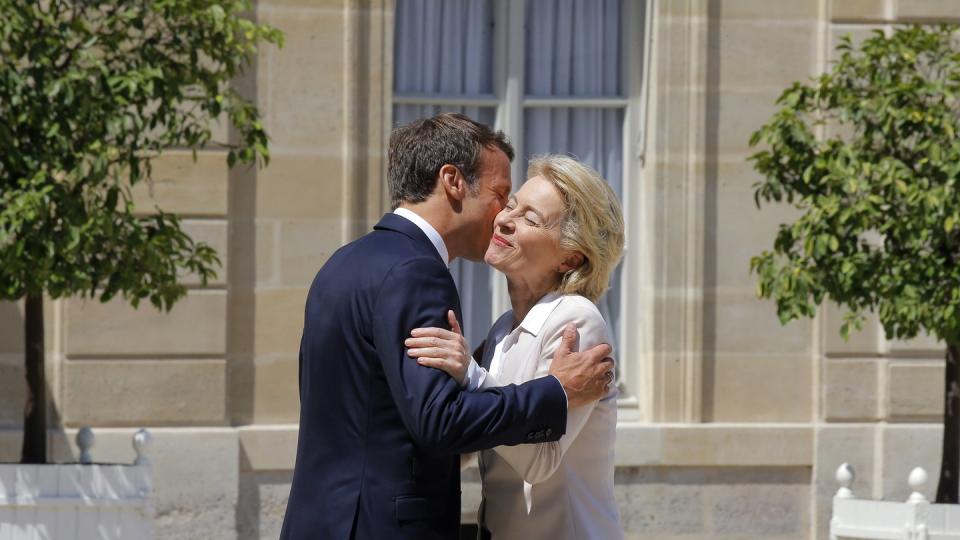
(561,489)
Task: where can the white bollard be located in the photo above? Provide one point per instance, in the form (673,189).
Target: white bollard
(142,440)
(845,476)
(85,440)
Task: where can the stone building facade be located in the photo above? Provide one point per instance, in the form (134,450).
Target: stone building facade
(731,426)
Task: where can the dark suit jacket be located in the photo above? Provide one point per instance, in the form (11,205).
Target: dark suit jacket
(377,456)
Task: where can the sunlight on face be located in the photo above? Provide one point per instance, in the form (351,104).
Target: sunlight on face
(526,234)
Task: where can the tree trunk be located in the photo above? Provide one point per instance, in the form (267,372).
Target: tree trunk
(35,414)
(950,467)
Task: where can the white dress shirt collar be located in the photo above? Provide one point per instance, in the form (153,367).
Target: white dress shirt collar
(538,314)
(428,230)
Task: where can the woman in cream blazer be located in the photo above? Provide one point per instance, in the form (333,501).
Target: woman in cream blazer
(557,242)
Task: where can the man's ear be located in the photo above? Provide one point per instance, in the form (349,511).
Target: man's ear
(572,261)
(453,182)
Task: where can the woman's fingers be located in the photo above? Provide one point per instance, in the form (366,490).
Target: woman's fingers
(420,342)
(425,352)
(454,323)
(434,332)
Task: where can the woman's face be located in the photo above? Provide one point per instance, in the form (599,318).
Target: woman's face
(526,235)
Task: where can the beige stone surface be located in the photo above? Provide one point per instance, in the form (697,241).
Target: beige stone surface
(923,345)
(181,186)
(705,503)
(860,10)
(11,327)
(835,445)
(719,445)
(903,447)
(303,109)
(267,447)
(301,186)
(262,504)
(741,310)
(276,395)
(13,395)
(764,387)
(144,392)
(212,232)
(305,245)
(196,325)
(851,389)
(740,230)
(916,389)
(865,341)
(927,11)
(788,52)
(278,322)
(766,11)
(737,115)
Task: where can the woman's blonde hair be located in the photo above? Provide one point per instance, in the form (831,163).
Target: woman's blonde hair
(592,222)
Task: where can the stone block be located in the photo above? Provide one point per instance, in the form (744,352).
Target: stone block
(857,32)
(304,104)
(13,395)
(195,475)
(865,341)
(737,310)
(278,321)
(716,445)
(929,11)
(789,52)
(762,504)
(11,442)
(262,504)
(304,246)
(301,186)
(659,503)
(905,446)
(11,327)
(151,392)
(860,10)
(735,116)
(268,447)
(180,185)
(196,325)
(739,230)
(916,389)
(275,392)
(765,387)
(214,234)
(835,445)
(850,389)
(760,10)
(923,345)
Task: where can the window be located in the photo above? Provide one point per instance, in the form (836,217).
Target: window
(553,74)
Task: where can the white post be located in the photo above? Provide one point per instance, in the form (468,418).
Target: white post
(142,440)
(85,440)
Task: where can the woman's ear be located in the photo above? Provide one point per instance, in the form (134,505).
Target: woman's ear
(453,182)
(572,261)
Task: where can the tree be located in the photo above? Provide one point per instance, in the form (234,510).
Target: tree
(870,156)
(90,92)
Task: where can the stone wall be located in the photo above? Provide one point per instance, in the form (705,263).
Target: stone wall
(737,423)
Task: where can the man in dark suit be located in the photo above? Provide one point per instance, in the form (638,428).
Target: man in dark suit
(380,435)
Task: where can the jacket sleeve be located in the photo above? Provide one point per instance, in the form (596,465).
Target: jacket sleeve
(441,418)
(537,462)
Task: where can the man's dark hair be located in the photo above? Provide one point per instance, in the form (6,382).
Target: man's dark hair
(420,148)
